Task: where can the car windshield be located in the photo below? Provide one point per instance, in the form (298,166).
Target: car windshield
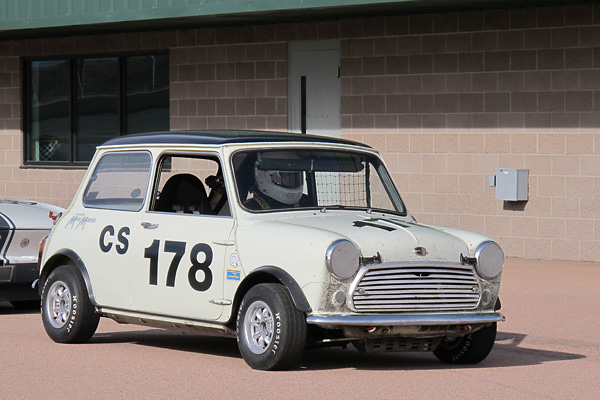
(299,178)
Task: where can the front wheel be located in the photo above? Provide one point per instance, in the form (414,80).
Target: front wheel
(67,312)
(271,331)
(469,349)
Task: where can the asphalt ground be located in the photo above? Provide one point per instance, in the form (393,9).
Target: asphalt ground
(548,348)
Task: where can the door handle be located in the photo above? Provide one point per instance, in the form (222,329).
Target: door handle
(149,225)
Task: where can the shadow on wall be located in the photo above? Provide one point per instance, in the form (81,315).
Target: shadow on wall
(514,205)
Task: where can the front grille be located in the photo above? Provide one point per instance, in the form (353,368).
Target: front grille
(411,288)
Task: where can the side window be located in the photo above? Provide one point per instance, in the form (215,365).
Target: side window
(190,185)
(119,182)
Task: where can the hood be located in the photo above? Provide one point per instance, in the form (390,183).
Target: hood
(24,214)
(392,237)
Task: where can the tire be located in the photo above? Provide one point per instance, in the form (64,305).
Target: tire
(271,331)
(469,349)
(67,312)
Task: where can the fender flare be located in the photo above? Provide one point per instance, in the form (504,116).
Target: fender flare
(286,279)
(58,259)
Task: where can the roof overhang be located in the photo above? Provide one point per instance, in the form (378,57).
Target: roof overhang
(21,19)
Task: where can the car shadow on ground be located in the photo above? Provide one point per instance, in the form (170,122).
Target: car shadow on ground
(160,338)
(7,309)
(508,351)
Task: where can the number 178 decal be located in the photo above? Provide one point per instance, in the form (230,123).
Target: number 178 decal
(178,250)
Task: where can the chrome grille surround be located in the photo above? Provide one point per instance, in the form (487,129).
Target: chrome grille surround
(415,287)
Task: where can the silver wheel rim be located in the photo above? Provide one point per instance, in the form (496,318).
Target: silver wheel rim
(58,304)
(258,327)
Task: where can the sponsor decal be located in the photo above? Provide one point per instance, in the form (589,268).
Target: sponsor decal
(233,275)
(233,260)
(79,220)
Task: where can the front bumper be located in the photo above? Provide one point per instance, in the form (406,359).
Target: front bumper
(341,321)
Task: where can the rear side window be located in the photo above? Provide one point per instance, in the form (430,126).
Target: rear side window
(119,182)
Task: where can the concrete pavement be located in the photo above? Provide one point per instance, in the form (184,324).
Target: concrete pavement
(548,348)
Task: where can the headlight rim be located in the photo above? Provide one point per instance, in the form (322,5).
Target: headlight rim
(478,255)
(329,259)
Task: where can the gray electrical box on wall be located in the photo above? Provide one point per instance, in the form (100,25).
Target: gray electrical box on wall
(511,184)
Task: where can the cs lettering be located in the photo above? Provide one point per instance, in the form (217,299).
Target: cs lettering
(107,239)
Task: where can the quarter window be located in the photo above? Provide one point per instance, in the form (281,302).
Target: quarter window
(73,105)
(119,182)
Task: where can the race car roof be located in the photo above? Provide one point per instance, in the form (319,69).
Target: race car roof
(223,137)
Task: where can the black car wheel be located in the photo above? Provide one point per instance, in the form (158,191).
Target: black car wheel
(469,349)
(67,312)
(271,331)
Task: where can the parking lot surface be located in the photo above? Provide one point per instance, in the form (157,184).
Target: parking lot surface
(548,348)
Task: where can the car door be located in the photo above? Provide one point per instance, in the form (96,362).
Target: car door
(184,241)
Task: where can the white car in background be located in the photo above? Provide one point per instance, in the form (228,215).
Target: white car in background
(283,240)
(23,225)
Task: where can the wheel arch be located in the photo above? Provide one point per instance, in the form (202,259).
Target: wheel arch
(270,274)
(62,257)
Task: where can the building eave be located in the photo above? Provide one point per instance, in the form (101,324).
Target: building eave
(19,19)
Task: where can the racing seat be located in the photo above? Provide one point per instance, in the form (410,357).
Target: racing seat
(218,195)
(184,193)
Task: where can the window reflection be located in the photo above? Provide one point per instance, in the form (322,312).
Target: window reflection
(97,104)
(147,93)
(75,105)
(49,111)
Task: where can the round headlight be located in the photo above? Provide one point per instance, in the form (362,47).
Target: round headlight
(342,259)
(490,260)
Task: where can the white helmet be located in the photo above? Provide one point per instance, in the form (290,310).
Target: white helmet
(283,186)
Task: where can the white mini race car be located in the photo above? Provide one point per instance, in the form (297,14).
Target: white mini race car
(283,240)
(23,225)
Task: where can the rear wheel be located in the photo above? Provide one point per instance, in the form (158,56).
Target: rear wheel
(469,349)
(67,312)
(271,331)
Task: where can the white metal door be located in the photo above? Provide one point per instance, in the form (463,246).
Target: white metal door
(183,265)
(315,88)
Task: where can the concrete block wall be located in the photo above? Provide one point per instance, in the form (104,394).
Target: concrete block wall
(447,98)
(229,78)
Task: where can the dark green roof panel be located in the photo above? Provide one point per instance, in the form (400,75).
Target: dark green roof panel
(31,14)
(42,18)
